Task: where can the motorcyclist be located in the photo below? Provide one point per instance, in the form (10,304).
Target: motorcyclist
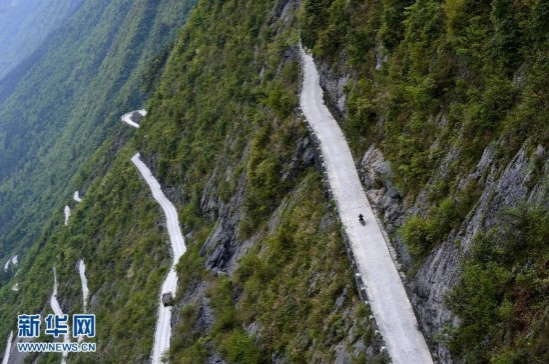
(361,218)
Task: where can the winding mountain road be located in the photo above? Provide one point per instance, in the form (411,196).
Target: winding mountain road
(67,212)
(76,197)
(128,118)
(13,261)
(56,308)
(85,289)
(390,304)
(84,282)
(163,332)
(8,349)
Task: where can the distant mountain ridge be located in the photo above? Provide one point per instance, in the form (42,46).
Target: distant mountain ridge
(25,24)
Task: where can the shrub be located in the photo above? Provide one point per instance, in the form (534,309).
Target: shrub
(417,233)
(502,297)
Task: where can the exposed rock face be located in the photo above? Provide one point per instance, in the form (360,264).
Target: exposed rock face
(221,248)
(196,297)
(429,289)
(333,80)
(525,178)
(375,174)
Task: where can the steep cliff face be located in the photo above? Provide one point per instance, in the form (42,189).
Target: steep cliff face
(267,277)
(441,270)
(446,145)
(439,135)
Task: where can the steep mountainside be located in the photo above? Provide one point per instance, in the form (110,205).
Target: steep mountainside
(445,109)
(25,24)
(266,274)
(67,103)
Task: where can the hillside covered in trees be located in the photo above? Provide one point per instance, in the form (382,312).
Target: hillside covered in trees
(444,106)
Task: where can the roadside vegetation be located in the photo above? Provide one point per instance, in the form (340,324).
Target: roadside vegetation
(502,298)
(224,138)
(433,84)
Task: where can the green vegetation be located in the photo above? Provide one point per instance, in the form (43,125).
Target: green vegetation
(222,136)
(502,297)
(291,281)
(422,234)
(223,118)
(207,117)
(451,80)
(286,285)
(69,100)
(118,236)
(432,84)
(25,25)
(436,79)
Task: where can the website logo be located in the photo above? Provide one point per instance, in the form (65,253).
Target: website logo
(83,325)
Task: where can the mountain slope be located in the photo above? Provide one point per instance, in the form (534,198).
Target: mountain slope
(445,105)
(266,274)
(445,113)
(25,24)
(91,70)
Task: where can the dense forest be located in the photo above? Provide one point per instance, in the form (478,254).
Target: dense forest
(88,72)
(24,25)
(444,105)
